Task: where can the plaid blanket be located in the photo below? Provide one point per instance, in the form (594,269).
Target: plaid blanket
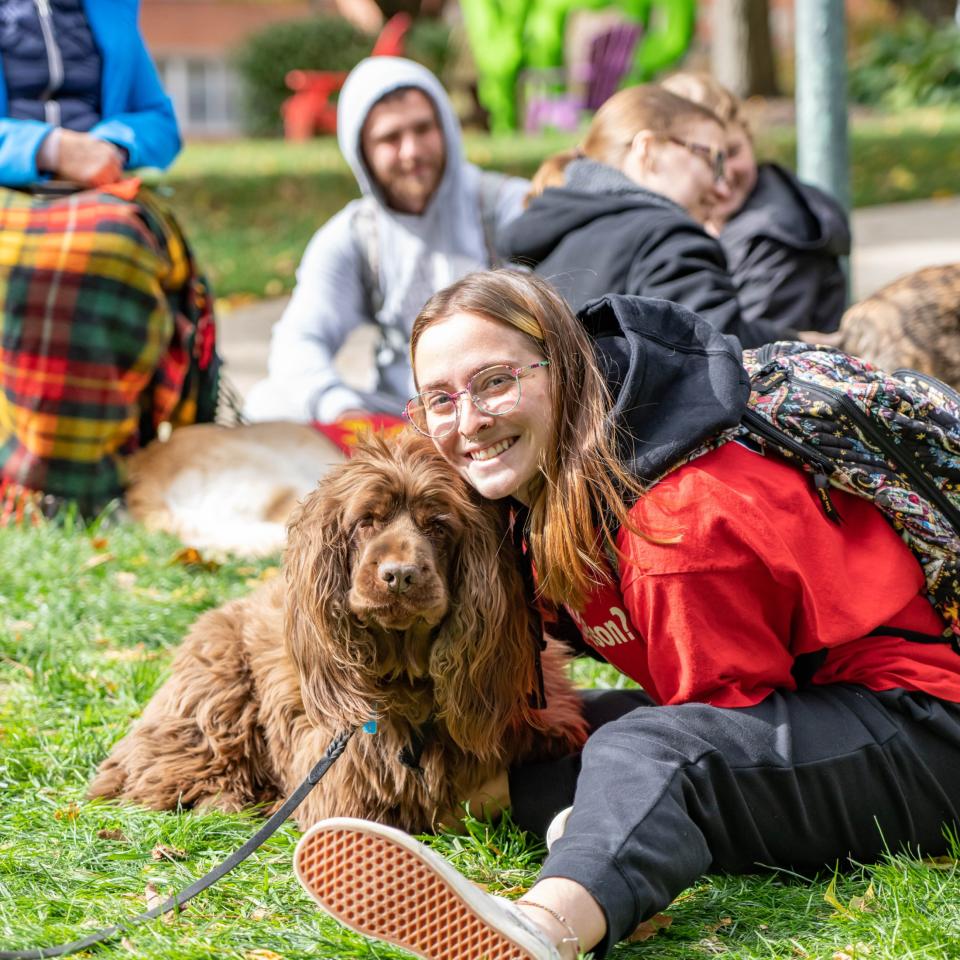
(107,332)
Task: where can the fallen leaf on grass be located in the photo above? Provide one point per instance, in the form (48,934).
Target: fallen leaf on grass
(853,951)
(134,654)
(856,905)
(261,913)
(940,863)
(125,579)
(712,945)
(863,903)
(163,852)
(262,954)
(154,899)
(115,834)
(650,928)
(97,560)
(192,557)
(127,945)
(70,812)
(99,543)
(17,665)
(722,922)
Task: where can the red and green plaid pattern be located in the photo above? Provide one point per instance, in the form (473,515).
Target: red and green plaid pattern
(107,331)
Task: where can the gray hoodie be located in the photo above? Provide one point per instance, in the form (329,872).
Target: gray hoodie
(416,256)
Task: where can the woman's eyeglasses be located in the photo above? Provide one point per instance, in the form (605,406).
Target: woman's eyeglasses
(716,159)
(493,390)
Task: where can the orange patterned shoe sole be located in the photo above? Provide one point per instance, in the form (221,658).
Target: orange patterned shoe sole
(384,884)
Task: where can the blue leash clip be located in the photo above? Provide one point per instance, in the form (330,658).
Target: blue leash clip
(370,726)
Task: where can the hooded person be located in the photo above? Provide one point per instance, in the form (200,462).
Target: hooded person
(784,249)
(624,212)
(783,239)
(783,718)
(426,218)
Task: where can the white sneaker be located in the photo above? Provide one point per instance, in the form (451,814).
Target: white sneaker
(384,884)
(557,825)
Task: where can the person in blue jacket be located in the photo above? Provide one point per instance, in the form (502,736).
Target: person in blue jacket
(106,328)
(79,94)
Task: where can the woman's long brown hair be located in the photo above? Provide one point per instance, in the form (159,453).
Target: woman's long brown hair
(584,491)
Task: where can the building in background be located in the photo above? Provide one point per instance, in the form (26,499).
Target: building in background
(192,42)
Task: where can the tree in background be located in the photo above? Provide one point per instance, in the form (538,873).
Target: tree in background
(741,49)
(932,10)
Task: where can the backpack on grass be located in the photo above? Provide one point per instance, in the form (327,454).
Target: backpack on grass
(893,439)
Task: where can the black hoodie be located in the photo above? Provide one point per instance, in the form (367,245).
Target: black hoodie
(676,380)
(602,233)
(783,248)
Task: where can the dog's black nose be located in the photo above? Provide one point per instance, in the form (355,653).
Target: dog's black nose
(399,577)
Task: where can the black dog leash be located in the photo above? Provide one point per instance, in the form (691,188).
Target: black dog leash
(336,748)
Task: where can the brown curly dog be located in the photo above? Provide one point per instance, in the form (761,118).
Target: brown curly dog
(400,600)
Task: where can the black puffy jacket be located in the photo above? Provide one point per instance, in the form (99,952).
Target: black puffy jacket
(603,234)
(783,248)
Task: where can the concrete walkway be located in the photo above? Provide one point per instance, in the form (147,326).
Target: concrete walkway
(889,241)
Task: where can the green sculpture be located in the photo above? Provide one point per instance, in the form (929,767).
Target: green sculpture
(495,32)
(507,36)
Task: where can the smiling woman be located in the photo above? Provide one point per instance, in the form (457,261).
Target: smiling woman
(493,428)
(772,693)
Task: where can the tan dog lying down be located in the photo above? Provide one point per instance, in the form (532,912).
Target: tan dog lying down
(400,600)
(228,489)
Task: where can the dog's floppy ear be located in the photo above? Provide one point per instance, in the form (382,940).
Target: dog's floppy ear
(322,636)
(485,652)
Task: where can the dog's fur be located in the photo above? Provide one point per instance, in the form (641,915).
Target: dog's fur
(912,323)
(228,489)
(400,599)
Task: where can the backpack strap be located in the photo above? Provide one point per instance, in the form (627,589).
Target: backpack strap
(363,225)
(914,636)
(491,188)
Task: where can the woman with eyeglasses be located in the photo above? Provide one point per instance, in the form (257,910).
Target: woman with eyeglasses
(624,212)
(773,731)
(783,239)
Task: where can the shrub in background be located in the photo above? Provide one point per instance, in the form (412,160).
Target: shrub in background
(909,64)
(428,42)
(315,43)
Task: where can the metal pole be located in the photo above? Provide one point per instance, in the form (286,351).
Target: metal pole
(823,149)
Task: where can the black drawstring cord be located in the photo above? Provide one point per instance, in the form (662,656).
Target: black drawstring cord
(333,752)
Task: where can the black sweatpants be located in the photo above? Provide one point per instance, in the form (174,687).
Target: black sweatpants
(662,795)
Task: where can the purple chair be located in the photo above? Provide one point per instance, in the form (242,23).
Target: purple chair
(611,53)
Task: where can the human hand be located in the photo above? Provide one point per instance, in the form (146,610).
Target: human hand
(88,160)
(713,226)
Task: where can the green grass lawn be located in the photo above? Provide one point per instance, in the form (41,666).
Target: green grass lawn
(89,618)
(250,206)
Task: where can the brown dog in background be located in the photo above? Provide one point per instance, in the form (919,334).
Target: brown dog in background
(400,601)
(912,323)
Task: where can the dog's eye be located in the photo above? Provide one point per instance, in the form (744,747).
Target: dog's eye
(366,524)
(436,526)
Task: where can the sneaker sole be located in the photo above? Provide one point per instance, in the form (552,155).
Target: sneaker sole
(383,884)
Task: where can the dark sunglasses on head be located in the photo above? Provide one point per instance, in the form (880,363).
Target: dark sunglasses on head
(716,159)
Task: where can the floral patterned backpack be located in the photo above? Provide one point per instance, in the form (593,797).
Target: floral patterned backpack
(890,438)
